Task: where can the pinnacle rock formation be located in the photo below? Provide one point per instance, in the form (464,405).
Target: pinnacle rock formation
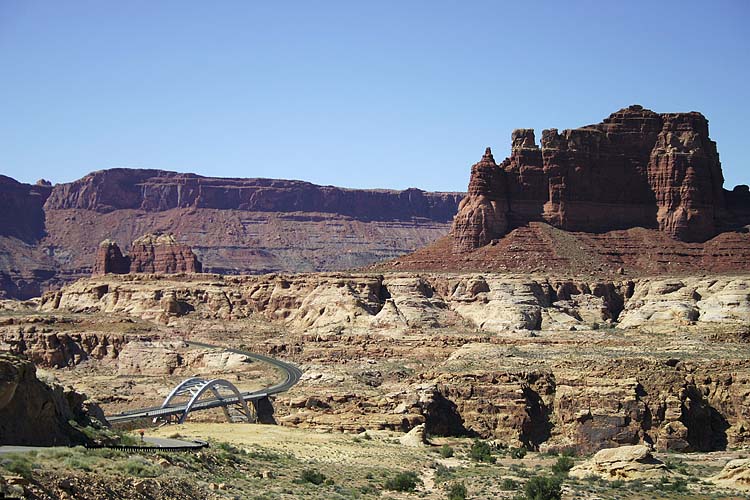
(637,168)
(151,253)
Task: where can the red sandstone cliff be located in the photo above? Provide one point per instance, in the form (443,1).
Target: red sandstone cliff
(635,169)
(239,226)
(21,209)
(158,191)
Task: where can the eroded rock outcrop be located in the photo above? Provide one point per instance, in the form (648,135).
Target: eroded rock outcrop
(33,413)
(635,169)
(487,302)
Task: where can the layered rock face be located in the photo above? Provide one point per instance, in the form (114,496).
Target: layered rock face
(635,169)
(35,414)
(235,226)
(151,253)
(159,191)
(550,363)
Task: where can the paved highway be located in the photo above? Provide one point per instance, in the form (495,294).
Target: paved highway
(292,375)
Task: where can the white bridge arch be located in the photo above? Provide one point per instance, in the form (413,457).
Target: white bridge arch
(235,409)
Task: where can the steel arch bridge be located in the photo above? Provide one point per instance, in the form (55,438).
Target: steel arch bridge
(234,405)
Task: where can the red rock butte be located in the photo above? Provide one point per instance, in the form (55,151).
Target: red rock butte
(151,253)
(635,169)
(638,181)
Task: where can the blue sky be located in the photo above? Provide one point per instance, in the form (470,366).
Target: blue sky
(357,94)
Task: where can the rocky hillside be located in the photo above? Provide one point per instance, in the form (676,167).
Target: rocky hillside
(33,413)
(51,234)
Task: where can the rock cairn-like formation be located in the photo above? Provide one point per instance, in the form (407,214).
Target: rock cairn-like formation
(151,253)
(637,168)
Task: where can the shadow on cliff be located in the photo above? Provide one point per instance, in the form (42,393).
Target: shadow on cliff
(538,428)
(442,418)
(706,427)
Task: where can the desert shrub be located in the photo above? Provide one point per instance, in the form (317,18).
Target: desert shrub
(481,452)
(677,466)
(138,467)
(82,462)
(563,465)
(508,484)
(518,453)
(446,451)
(229,448)
(457,491)
(313,476)
(678,485)
(404,481)
(443,472)
(17,464)
(543,488)
(265,455)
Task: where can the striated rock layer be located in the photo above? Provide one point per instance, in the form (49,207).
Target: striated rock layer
(235,226)
(635,169)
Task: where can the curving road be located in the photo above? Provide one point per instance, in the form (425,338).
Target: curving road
(292,376)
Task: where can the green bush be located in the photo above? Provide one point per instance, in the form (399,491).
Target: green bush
(481,452)
(543,488)
(313,476)
(563,465)
(518,453)
(446,451)
(404,481)
(508,484)
(457,491)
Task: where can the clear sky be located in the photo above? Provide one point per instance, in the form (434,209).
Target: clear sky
(390,94)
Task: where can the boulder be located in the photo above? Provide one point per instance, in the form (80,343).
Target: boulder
(735,474)
(415,438)
(623,463)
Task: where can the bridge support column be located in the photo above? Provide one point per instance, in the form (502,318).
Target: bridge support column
(264,411)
